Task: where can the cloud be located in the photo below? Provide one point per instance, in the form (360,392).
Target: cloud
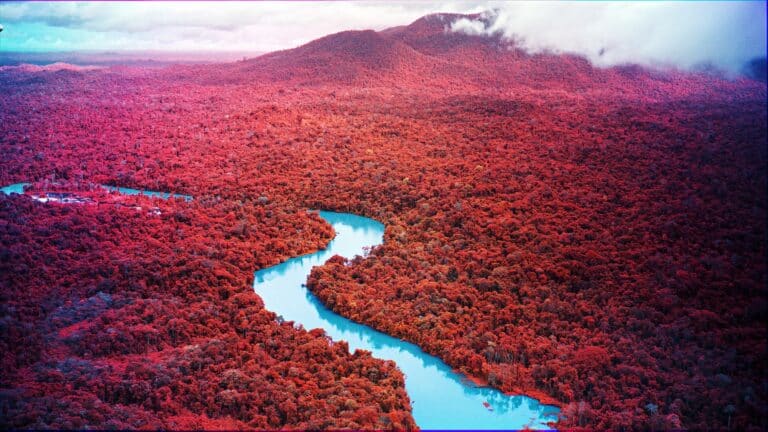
(684,34)
(725,35)
(470,27)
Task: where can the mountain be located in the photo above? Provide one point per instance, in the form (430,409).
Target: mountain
(347,57)
(427,53)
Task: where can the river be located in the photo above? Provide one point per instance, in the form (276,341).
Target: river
(441,398)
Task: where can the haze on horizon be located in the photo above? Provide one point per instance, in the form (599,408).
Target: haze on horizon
(724,35)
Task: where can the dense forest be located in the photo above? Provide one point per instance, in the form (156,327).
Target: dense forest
(135,313)
(594,238)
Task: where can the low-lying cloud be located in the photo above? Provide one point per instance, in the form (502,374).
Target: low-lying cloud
(688,35)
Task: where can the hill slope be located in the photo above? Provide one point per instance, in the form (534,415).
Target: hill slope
(427,54)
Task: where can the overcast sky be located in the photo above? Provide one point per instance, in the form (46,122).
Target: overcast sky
(685,34)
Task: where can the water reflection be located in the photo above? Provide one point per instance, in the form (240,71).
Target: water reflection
(442,399)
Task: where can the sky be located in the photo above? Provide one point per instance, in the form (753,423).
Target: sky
(680,34)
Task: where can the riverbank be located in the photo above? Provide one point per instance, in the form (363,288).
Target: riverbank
(441,397)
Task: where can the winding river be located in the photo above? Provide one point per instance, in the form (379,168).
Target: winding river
(19,189)
(441,398)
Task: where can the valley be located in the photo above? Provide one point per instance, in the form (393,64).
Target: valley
(591,238)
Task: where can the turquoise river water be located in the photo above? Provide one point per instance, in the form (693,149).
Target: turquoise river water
(19,189)
(441,398)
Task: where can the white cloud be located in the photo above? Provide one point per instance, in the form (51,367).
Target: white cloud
(680,34)
(468,26)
